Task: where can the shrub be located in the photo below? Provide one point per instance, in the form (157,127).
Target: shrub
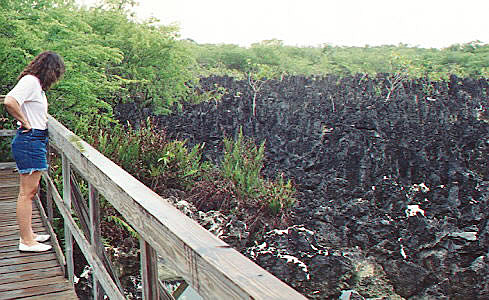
(179,166)
(242,163)
(150,156)
(5,123)
(279,195)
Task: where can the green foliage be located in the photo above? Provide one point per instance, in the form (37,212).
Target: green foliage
(155,67)
(231,58)
(5,123)
(260,72)
(242,163)
(471,59)
(258,75)
(109,57)
(150,156)
(279,194)
(215,94)
(178,165)
(268,52)
(5,153)
(57,26)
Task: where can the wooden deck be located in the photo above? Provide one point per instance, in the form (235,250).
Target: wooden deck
(25,275)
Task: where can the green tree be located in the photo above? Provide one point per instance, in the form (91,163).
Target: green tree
(109,57)
(155,69)
(258,75)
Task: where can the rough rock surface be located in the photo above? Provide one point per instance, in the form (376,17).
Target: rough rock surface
(393,194)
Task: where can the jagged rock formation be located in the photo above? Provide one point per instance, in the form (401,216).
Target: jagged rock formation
(393,194)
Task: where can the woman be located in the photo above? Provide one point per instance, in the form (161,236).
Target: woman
(27,103)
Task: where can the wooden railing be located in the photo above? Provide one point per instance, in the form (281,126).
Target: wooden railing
(210,266)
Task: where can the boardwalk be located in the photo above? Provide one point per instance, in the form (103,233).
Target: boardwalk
(25,275)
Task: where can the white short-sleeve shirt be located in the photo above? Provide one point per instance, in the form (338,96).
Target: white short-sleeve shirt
(32,100)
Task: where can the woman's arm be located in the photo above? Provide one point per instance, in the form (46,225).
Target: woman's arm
(13,108)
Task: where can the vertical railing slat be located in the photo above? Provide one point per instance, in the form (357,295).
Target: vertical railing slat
(149,271)
(49,191)
(95,235)
(49,203)
(66,170)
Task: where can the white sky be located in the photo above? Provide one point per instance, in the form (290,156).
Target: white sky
(423,23)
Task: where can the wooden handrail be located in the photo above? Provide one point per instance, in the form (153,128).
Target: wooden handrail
(7,132)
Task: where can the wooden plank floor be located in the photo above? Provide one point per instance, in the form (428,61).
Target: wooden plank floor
(25,275)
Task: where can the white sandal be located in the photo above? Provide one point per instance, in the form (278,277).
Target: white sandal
(36,248)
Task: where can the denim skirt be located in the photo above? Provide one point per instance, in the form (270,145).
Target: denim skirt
(30,149)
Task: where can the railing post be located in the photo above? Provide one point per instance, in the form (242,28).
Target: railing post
(49,202)
(95,236)
(66,171)
(149,271)
(49,192)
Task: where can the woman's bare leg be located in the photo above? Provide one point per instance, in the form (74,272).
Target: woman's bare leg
(29,184)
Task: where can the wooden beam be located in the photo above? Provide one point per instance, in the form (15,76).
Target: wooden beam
(149,271)
(164,294)
(49,201)
(8,165)
(95,236)
(54,238)
(7,132)
(79,206)
(179,291)
(82,211)
(66,171)
(212,267)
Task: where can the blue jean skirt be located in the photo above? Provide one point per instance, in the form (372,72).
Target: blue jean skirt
(30,149)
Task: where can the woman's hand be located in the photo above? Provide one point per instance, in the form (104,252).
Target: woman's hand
(26,126)
(13,108)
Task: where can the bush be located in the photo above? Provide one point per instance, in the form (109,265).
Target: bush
(150,156)
(242,163)
(279,195)
(5,123)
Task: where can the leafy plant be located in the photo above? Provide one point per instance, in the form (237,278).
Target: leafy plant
(200,95)
(242,163)
(178,166)
(5,123)
(150,156)
(279,195)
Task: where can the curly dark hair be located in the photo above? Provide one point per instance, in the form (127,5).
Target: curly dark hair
(48,67)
